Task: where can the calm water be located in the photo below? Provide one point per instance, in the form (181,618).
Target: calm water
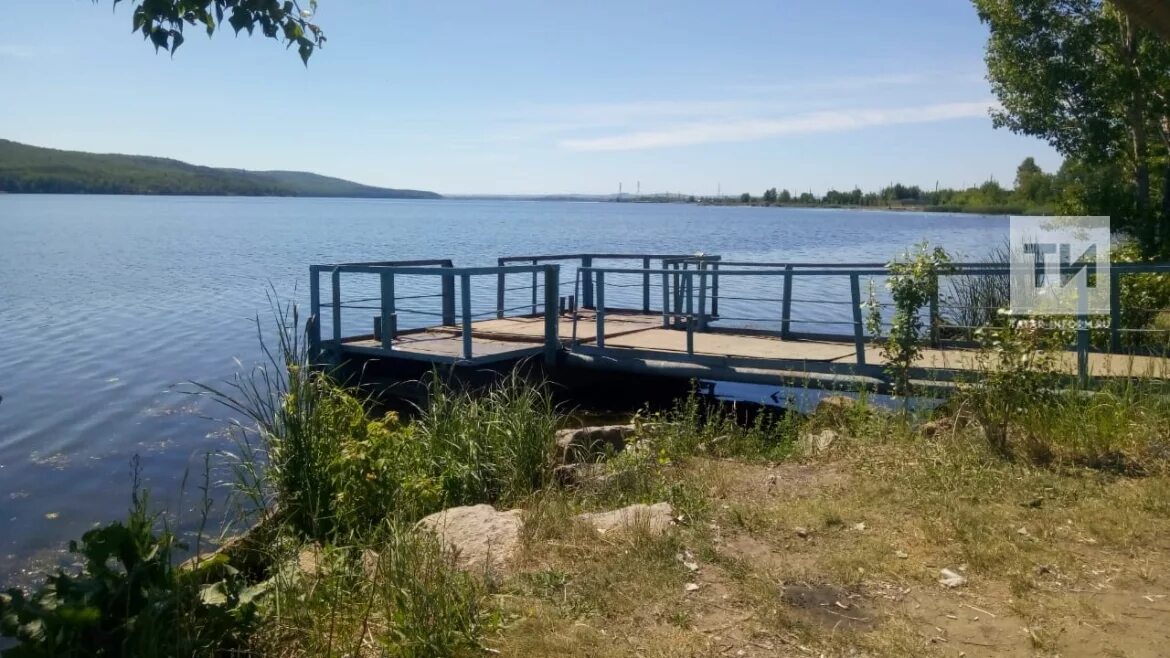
(107,303)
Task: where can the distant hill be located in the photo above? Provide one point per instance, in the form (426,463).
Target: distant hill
(32,169)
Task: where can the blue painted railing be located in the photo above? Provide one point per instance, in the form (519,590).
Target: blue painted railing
(689,300)
(456,311)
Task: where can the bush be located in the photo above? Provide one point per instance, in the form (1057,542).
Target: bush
(1022,401)
(129,599)
(336,473)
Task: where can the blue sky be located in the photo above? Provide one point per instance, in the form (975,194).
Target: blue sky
(535,96)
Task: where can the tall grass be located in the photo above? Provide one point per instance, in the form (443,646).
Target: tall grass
(493,446)
(1029,409)
(397,594)
(311,448)
(974,300)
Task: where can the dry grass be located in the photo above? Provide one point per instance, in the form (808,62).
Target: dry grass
(842,554)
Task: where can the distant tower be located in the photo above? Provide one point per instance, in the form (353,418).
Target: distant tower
(639,188)
(619,191)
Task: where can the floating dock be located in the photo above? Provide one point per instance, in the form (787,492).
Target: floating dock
(672,316)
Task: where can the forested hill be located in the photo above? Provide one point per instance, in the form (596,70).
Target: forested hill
(31,169)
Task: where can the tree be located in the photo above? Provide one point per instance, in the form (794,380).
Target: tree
(162,21)
(785,196)
(1083,76)
(770,195)
(745,198)
(1154,14)
(1033,186)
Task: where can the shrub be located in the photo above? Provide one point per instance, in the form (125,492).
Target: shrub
(398,594)
(129,599)
(496,446)
(912,282)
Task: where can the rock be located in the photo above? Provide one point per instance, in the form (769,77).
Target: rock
(691,587)
(934,428)
(837,405)
(816,444)
(579,475)
(480,536)
(801,532)
(308,560)
(590,444)
(656,518)
(859,526)
(951,579)
(901,555)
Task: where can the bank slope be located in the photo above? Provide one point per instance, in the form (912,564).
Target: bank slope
(32,169)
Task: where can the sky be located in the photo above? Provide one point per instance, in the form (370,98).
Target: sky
(534,97)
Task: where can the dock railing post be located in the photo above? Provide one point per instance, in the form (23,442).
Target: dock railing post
(858,328)
(786,308)
(690,287)
(535,285)
(448,297)
(715,288)
(934,319)
(646,285)
(552,318)
(600,307)
(389,319)
(501,283)
(1114,311)
(702,297)
(1083,331)
(465,294)
(587,283)
(677,292)
(665,297)
(314,325)
(336,275)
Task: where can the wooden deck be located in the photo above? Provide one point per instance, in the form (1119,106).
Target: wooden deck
(718,352)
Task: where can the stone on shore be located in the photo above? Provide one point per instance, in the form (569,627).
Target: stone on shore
(656,518)
(480,536)
(589,444)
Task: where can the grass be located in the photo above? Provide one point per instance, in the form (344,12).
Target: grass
(1052,504)
(1031,538)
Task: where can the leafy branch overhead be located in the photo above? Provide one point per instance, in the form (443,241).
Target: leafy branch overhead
(162,21)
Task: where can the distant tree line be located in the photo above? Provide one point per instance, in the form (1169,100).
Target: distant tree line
(1034,192)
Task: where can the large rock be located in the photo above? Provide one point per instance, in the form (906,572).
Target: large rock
(589,444)
(481,537)
(816,444)
(656,518)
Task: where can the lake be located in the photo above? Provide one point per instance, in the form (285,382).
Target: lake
(108,303)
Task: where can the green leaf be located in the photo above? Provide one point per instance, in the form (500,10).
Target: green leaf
(158,37)
(241,20)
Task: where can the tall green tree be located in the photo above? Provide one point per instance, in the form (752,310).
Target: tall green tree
(162,21)
(1085,77)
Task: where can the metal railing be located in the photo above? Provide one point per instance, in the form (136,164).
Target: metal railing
(690,293)
(684,290)
(583,295)
(456,311)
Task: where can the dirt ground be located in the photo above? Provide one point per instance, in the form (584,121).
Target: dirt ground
(843,556)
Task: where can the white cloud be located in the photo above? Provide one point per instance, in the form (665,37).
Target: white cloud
(17,52)
(748,129)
